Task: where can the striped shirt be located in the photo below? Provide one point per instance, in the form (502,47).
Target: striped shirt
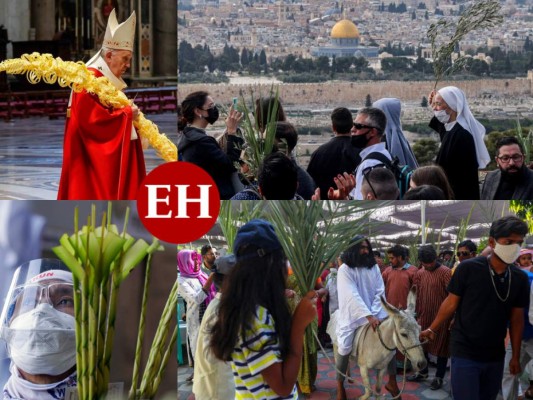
(253,354)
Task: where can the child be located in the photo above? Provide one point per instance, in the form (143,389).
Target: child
(254,330)
(524,260)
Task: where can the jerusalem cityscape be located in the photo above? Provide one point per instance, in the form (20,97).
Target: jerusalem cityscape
(322,55)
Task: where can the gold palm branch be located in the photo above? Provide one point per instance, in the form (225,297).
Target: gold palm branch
(77,77)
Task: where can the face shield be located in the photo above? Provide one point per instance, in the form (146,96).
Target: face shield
(37,321)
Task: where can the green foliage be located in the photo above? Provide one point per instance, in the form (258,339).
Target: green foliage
(199,77)
(526,139)
(259,144)
(424,102)
(302,78)
(368,101)
(314,233)
(524,210)
(481,15)
(425,151)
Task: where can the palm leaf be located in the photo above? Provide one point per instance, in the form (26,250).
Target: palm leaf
(233,214)
(481,15)
(313,233)
(259,144)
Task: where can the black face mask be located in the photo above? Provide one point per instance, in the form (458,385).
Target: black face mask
(212,115)
(359,141)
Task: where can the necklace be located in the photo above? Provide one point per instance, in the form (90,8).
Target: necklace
(492,274)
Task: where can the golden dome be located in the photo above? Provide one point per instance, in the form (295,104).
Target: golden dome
(344,29)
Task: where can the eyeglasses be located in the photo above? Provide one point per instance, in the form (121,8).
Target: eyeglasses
(463,253)
(58,295)
(366,173)
(362,126)
(516,158)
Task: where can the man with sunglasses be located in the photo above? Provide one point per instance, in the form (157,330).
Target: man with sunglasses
(38,325)
(512,180)
(465,250)
(367,133)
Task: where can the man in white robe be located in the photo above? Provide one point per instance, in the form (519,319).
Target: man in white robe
(359,285)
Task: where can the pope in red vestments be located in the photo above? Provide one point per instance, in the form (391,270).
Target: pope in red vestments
(102,154)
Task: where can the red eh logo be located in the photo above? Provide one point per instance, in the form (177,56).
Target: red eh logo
(178,202)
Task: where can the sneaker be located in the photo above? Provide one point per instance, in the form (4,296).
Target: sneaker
(418,377)
(436,384)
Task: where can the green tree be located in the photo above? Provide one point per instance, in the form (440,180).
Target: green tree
(262,57)
(322,64)
(424,102)
(244,57)
(289,62)
(396,64)
(478,67)
(425,150)
(368,101)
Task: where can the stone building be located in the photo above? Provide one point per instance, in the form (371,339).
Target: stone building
(344,42)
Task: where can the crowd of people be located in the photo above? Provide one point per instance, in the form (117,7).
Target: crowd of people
(372,147)
(247,340)
(367,158)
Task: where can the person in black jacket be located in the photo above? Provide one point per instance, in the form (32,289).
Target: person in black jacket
(513,180)
(337,156)
(195,146)
(462,151)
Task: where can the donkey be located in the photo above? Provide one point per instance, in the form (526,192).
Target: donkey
(375,349)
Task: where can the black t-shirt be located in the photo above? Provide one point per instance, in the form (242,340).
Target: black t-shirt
(481,319)
(331,159)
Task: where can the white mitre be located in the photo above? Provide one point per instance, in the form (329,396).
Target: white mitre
(117,37)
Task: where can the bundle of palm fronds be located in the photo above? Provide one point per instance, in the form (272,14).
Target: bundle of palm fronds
(100,258)
(481,15)
(258,131)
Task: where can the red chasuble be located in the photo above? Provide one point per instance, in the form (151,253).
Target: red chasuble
(100,161)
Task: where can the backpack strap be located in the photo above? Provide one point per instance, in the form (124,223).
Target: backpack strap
(382,158)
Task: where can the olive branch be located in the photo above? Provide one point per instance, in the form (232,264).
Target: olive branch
(481,15)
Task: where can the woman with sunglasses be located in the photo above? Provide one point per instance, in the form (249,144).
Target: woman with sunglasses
(196,146)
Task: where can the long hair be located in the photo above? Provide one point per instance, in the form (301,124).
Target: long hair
(192,101)
(264,108)
(433,175)
(353,259)
(254,281)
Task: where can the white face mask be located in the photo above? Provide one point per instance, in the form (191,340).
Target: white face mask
(42,341)
(442,116)
(508,253)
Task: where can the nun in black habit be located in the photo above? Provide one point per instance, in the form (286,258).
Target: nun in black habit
(462,151)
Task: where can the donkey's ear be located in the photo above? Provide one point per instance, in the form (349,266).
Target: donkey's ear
(391,310)
(411,300)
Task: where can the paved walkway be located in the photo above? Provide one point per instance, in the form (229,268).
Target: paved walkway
(31,151)
(326,384)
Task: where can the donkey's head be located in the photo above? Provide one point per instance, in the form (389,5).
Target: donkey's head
(407,330)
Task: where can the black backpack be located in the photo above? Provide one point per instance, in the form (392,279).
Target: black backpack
(401,172)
